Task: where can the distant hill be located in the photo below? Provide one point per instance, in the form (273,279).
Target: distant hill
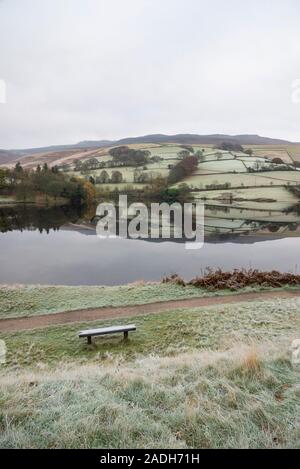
(57,154)
(203,139)
(156,138)
(7,156)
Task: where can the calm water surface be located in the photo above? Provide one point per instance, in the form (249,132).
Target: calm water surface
(31,252)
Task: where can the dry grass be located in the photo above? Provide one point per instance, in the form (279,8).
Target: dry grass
(237,279)
(209,399)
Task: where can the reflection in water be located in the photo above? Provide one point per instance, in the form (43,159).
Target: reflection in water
(233,222)
(221,222)
(32,217)
(51,246)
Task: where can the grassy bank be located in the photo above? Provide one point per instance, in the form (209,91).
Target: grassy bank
(244,398)
(18,301)
(210,377)
(166,333)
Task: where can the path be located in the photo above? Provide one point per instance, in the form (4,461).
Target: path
(81,315)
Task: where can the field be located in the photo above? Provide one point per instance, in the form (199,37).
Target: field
(276,178)
(231,169)
(288,153)
(210,377)
(255,179)
(234,169)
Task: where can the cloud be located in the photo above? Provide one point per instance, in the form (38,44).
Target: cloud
(94,69)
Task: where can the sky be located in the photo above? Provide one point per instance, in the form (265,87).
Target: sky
(105,69)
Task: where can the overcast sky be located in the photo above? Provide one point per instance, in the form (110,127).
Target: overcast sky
(94,69)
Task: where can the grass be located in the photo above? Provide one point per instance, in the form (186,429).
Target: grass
(269,178)
(164,333)
(32,300)
(217,377)
(288,153)
(243,398)
(17,301)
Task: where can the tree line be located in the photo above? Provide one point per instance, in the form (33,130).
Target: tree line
(26,185)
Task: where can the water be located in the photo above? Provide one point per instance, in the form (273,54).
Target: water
(59,246)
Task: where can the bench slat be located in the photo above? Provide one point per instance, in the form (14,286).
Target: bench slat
(107,330)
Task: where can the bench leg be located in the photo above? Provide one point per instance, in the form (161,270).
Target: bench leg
(125,335)
(89,340)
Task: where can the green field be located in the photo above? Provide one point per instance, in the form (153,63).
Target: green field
(276,178)
(215,167)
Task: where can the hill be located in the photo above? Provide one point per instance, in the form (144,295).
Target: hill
(156,138)
(202,139)
(60,154)
(7,156)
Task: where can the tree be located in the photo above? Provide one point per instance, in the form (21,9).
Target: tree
(25,190)
(45,168)
(78,196)
(183,169)
(116,177)
(91,163)
(189,148)
(18,167)
(249,151)
(3,175)
(156,159)
(129,156)
(277,161)
(183,154)
(229,146)
(89,193)
(104,177)
(137,175)
(54,189)
(65,167)
(77,165)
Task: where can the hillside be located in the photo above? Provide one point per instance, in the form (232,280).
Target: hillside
(7,156)
(202,139)
(250,177)
(262,176)
(154,138)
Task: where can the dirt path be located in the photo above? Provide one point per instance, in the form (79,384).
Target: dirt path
(33,322)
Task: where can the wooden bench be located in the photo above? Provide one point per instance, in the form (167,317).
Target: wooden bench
(106,330)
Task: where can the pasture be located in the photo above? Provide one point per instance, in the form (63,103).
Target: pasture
(230,169)
(288,153)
